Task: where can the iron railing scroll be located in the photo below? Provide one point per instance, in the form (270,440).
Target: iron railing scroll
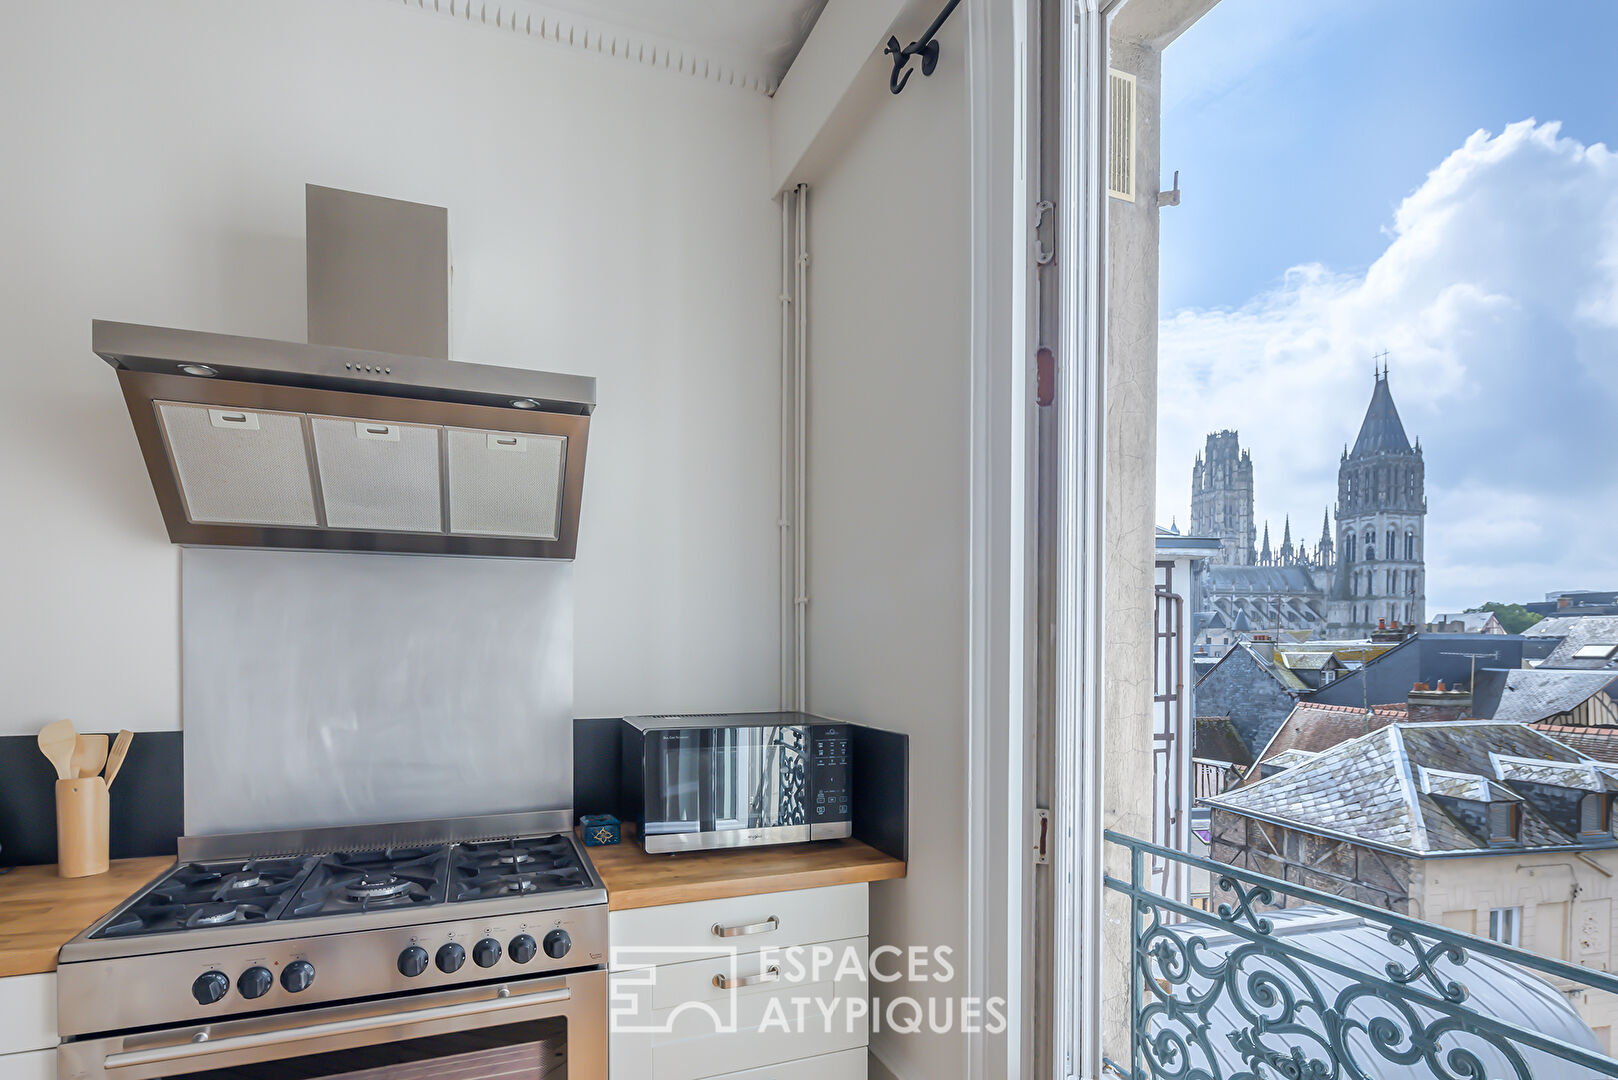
(1256,989)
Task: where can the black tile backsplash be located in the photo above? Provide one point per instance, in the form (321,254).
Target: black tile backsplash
(147,798)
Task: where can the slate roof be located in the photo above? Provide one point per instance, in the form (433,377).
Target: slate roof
(1462,786)
(1266,580)
(1381,432)
(1529,695)
(1579,776)
(1308,661)
(1472,622)
(1214,738)
(1598,741)
(1365,790)
(1313,726)
(1579,632)
(1286,759)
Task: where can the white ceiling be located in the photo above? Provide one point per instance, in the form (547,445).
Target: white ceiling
(760,35)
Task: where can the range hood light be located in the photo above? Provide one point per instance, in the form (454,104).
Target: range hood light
(200,370)
(525,403)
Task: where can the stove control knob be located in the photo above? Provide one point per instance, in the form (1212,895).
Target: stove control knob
(255,982)
(297,976)
(210,987)
(486,953)
(450,958)
(524,948)
(557,943)
(413,961)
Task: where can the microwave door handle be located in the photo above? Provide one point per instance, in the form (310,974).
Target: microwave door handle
(708,781)
(200,1044)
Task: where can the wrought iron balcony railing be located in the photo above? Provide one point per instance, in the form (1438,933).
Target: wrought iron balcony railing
(1255,989)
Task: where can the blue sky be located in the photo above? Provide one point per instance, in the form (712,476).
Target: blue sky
(1362,175)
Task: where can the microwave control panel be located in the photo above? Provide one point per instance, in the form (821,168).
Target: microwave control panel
(831,770)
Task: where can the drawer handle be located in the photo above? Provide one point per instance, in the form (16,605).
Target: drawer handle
(768,975)
(768,926)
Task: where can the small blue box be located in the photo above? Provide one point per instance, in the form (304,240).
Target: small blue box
(599,830)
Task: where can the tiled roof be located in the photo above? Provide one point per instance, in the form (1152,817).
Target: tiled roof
(1599,742)
(1314,726)
(1530,695)
(1214,738)
(1286,759)
(1579,775)
(1575,634)
(1365,790)
(1462,786)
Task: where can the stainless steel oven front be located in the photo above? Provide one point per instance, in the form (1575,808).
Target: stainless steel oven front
(737,781)
(548,1027)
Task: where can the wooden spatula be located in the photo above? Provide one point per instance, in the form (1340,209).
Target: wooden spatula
(57,741)
(89,755)
(115,760)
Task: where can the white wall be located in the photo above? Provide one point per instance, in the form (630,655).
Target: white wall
(888,482)
(606,219)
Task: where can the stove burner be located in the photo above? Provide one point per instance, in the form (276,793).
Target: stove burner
(380,888)
(515,868)
(220,914)
(199,895)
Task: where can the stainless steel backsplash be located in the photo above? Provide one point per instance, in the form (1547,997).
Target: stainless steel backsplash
(329,688)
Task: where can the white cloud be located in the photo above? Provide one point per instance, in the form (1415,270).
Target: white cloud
(1497,298)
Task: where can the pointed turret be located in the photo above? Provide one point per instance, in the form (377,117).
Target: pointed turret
(1286,542)
(1381,432)
(1264,556)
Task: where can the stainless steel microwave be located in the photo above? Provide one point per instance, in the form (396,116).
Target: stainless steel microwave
(741,780)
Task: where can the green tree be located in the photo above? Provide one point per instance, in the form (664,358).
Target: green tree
(1514,617)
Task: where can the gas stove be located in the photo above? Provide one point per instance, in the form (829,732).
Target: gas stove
(255,923)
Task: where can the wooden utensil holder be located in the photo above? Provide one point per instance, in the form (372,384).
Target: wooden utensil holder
(82,824)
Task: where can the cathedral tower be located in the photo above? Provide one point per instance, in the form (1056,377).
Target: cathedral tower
(1222,498)
(1381,511)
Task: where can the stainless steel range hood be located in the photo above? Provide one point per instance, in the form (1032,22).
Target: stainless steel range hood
(258,443)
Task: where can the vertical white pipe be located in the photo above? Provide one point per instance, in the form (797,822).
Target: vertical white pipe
(784,522)
(800,599)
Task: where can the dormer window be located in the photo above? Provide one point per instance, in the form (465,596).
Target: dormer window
(1592,815)
(1502,822)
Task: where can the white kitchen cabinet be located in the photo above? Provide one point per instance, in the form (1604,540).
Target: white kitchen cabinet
(27,1014)
(33,1065)
(766,987)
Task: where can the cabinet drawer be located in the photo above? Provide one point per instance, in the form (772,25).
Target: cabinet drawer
(848,1065)
(676,933)
(27,1012)
(642,991)
(34,1065)
(758,1030)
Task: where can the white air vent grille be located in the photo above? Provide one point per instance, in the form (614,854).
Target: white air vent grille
(1121,135)
(504,483)
(377,475)
(239,467)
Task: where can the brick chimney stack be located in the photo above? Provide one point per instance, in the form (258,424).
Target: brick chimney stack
(1438,705)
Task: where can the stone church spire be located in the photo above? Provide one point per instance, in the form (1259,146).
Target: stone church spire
(1287,554)
(1264,556)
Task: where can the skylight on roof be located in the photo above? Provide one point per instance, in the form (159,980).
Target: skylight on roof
(1595,652)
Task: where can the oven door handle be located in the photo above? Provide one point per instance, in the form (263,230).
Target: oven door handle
(201,1045)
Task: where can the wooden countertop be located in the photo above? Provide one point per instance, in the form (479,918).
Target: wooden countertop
(635,879)
(40,912)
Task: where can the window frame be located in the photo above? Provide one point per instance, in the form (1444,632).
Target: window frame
(1511,919)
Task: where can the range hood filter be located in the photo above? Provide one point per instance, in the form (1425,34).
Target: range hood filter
(378,476)
(238,467)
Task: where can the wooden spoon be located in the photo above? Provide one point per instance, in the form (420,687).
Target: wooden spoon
(89,755)
(115,760)
(57,741)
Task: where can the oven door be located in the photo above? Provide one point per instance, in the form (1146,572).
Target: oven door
(550,1028)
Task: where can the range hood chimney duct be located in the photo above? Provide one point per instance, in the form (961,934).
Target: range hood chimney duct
(368,438)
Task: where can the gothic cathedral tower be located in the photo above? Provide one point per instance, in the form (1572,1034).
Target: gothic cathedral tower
(1222,499)
(1381,510)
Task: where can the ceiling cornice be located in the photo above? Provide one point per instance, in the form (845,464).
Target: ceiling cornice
(527,19)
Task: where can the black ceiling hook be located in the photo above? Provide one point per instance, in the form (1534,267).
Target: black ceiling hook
(926,47)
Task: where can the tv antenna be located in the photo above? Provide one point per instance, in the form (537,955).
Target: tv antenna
(1474,657)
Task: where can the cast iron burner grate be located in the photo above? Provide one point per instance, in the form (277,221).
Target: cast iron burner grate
(515,868)
(372,881)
